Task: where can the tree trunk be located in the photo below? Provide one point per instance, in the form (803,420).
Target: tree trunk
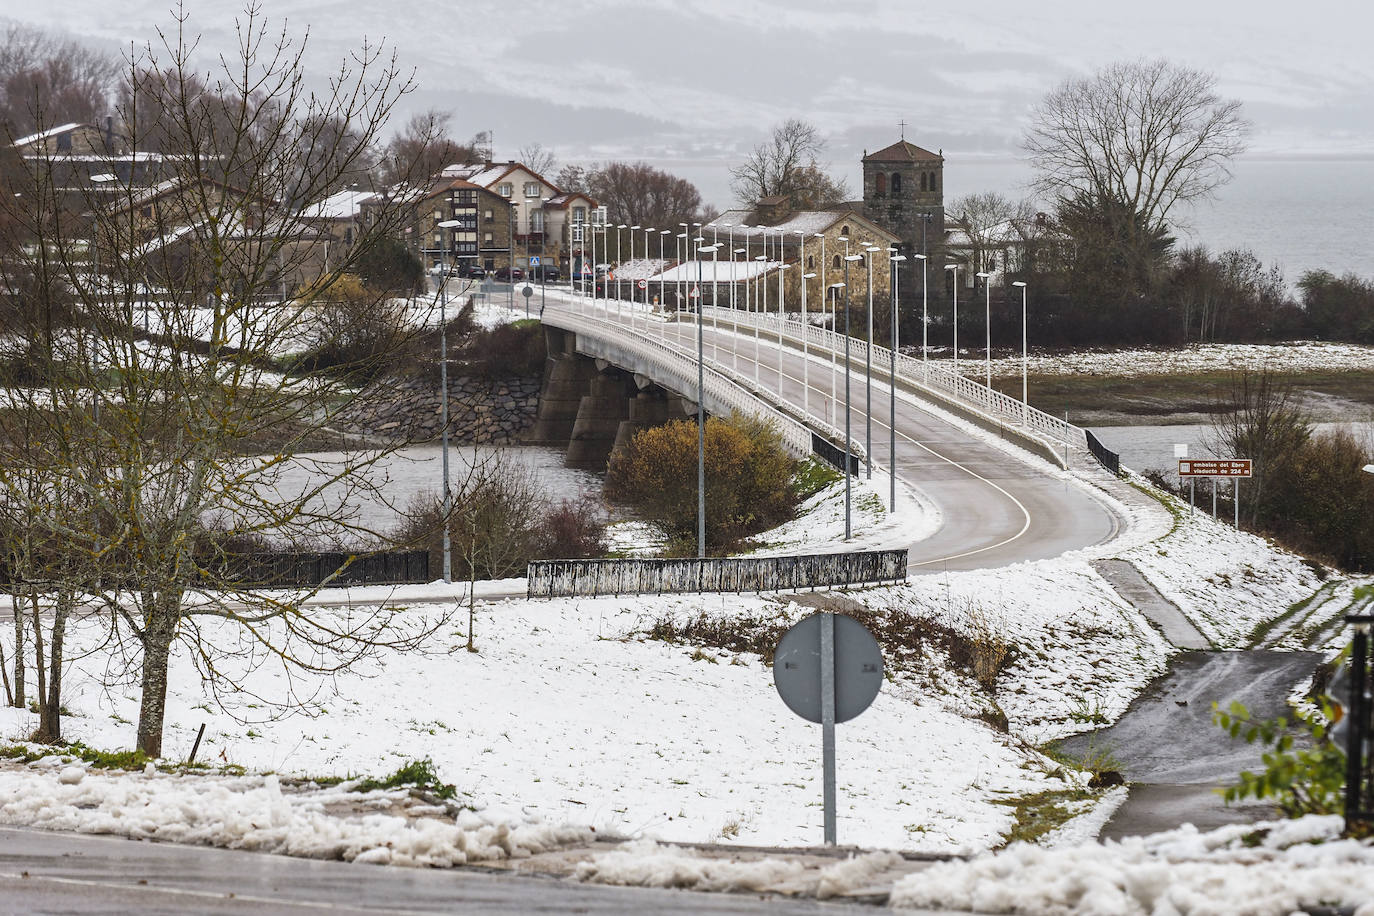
(50,715)
(157,646)
(39,669)
(18,649)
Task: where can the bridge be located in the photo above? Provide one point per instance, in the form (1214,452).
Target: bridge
(619,366)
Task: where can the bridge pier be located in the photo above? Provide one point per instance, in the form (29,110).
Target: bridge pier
(599,416)
(566,377)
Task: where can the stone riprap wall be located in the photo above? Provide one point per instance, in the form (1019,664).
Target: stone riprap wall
(481,411)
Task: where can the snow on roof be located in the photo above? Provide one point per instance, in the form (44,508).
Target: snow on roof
(641,268)
(50,132)
(717,271)
(806,222)
(340,205)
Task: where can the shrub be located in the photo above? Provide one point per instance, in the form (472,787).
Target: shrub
(749,479)
(508,350)
(1306,777)
(358,332)
(574,529)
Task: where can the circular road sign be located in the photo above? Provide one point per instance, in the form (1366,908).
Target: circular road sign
(527,291)
(858,668)
(643,284)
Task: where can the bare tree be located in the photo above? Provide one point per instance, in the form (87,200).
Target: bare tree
(1147,134)
(1259,418)
(636,192)
(538,159)
(68,80)
(991,221)
(164,409)
(423,148)
(788,165)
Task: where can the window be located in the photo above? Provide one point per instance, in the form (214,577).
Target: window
(64,142)
(934,185)
(486,238)
(810,261)
(438,215)
(536,220)
(489,216)
(147,212)
(532,189)
(438,240)
(925,176)
(880,185)
(505,189)
(837,265)
(579,214)
(896,183)
(845,231)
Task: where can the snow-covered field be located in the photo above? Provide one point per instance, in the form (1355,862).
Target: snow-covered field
(1298,356)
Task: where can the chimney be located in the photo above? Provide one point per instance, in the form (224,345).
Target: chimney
(771,210)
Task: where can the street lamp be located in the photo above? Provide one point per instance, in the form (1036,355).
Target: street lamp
(617,273)
(925,321)
(868,364)
(442,294)
(895,261)
(955,268)
(987,321)
(805,325)
(618,230)
(701,408)
(510,273)
(848,439)
(647,270)
(760,302)
(1025,358)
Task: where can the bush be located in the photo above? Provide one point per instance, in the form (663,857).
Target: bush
(750,484)
(358,333)
(1303,777)
(507,351)
(388,264)
(574,529)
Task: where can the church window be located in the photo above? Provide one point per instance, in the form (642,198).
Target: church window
(933,185)
(810,261)
(896,184)
(924,180)
(844,231)
(880,184)
(836,264)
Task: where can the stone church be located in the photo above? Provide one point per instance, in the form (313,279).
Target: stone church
(904,192)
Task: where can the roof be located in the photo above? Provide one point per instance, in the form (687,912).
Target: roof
(488,174)
(51,132)
(340,205)
(717,271)
(564,199)
(805,222)
(902,151)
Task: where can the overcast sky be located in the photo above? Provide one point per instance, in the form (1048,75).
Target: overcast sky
(699,83)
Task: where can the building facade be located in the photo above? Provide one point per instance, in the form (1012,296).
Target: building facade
(904,192)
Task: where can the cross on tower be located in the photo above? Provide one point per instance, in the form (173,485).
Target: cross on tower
(902,125)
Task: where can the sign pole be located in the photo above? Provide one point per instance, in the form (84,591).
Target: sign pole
(1235,497)
(1192,495)
(828,722)
(1214,497)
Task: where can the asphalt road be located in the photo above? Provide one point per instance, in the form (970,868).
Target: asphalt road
(54,873)
(1171,752)
(995,508)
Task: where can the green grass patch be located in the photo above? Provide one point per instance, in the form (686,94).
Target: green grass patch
(813,476)
(1038,814)
(419,774)
(1265,627)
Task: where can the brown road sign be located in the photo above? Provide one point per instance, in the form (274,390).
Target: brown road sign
(1214,467)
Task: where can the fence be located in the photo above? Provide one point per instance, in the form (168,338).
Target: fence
(567,578)
(1109,459)
(1359,773)
(294,570)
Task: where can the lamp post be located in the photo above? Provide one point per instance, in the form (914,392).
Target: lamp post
(449,224)
(848,439)
(835,289)
(925,321)
(683,251)
(510,274)
(782,300)
(955,268)
(1025,357)
(617,273)
(868,365)
(805,325)
(760,302)
(894,260)
(647,269)
(987,322)
(734,318)
(701,409)
(618,229)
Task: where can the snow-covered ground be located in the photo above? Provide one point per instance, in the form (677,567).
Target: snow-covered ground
(1295,357)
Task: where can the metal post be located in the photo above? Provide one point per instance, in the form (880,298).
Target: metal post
(1214,496)
(894,292)
(510,271)
(868,375)
(1357,709)
(782,301)
(701,423)
(828,723)
(987,327)
(805,327)
(1192,495)
(443,412)
(1235,498)
(955,268)
(848,447)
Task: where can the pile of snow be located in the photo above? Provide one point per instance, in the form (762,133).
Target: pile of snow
(1271,869)
(254,813)
(644,863)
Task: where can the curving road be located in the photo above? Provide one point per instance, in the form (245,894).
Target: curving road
(995,508)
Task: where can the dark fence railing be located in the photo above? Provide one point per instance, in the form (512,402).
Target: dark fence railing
(833,455)
(566,578)
(1109,459)
(294,570)
(1359,713)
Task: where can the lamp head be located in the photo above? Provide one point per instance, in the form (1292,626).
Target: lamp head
(951,267)
(1020,283)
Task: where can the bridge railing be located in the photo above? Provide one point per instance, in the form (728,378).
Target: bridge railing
(915,371)
(724,385)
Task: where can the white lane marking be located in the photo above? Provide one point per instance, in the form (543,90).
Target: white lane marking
(1025,513)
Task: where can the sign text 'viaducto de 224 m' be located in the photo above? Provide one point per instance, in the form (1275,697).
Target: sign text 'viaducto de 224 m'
(1214,467)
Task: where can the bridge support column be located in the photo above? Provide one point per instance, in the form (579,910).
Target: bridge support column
(599,416)
(648,408)
(566,377)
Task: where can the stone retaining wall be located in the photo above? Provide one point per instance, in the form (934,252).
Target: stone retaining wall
(481,411)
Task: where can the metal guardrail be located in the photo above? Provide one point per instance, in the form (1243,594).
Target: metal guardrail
(589,578)
(299,570)
(914,371)
(1109,459)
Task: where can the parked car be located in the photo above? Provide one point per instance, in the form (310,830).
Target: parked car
(507,274)
(545,273)
(475,272)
